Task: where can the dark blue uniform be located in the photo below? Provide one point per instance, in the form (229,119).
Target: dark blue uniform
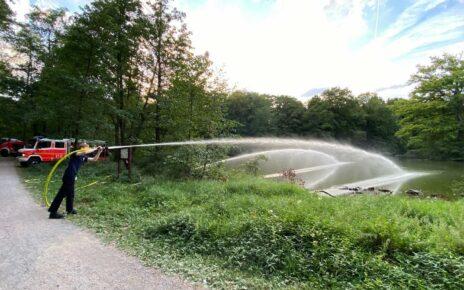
(67,189)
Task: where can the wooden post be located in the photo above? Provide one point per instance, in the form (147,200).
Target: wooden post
(125,155)
(129,163)
(119,163)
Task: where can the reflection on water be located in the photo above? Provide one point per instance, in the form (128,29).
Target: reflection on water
(443,174)
(330,165)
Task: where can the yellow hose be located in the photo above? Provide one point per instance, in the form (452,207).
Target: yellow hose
(50,175)
(88,185)
(94,183)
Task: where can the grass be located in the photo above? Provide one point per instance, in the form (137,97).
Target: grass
(253,233)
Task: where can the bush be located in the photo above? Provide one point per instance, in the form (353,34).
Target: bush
(248,232)
(458,188)
(197,161)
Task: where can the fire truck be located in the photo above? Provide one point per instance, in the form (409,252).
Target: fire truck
(51,150)
(44,150)
(10,146)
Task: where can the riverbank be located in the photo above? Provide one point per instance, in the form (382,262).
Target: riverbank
(251,232)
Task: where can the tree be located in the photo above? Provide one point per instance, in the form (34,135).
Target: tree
(47,26)
(443,80)
(139,52)
(10,118)
(288,115)
(118,25)
(380,122)
(252,112)
(167,48)
(428,128)
(196,97)
(134,68)
(335,113)
(432,120)
(70,85)
(33,44)
(5,16)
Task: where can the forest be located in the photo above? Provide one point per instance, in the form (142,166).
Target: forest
(127,72)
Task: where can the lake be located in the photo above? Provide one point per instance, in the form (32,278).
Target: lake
(340,168)
(442,175)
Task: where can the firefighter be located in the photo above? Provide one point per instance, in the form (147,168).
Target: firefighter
(70,175)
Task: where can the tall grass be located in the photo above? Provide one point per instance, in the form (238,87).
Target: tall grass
(250,232)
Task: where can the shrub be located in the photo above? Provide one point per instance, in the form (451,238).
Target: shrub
(197,161)
(248,232)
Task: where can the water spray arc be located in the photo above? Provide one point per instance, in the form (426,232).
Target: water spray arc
(335,163)
(292,143)
(355,165)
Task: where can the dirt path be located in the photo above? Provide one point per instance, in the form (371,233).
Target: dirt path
(38,253)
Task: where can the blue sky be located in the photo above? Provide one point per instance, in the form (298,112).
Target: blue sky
(292,46)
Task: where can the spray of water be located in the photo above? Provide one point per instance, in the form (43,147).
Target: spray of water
(271,142)
(322,165)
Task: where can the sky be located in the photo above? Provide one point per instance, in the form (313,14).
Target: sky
(298,47)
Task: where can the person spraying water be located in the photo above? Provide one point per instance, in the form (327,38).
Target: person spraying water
(76,160)
(343,165)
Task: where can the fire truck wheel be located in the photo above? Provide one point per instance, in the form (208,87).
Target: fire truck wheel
(4,153)
(34,160)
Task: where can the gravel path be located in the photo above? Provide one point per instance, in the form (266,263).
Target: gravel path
(38,253)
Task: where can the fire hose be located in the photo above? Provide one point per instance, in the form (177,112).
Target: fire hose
(55,167)
(50,175)
(52,172)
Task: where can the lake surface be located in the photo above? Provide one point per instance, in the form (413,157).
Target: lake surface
(341,168)
(442,175)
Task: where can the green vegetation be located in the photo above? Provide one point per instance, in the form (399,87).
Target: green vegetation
(5,15)
(119,72)
(250,232)
(364,120)
(432,121)
(126,71)
(116,71)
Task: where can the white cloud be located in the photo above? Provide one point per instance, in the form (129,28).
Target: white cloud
(23,7)
(291,46)
(283,52)
(298,45)
(48,4)
(20,8)
(411,15)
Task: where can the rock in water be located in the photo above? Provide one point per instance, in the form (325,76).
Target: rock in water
(414,192)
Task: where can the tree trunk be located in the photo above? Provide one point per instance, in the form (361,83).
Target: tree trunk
(159,47)
(158,98)
(458,101)
(120,102)
(191,97)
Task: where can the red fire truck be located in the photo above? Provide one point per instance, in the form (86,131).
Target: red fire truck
(10,146)
(50,150)
(44,150)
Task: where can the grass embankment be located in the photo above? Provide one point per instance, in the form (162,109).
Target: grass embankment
(249,232)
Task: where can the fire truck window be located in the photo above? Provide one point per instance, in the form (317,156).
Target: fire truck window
(30,144)
(59,144)
(3,140)
(44,144)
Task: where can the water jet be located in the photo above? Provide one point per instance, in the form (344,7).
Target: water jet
(321,164)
